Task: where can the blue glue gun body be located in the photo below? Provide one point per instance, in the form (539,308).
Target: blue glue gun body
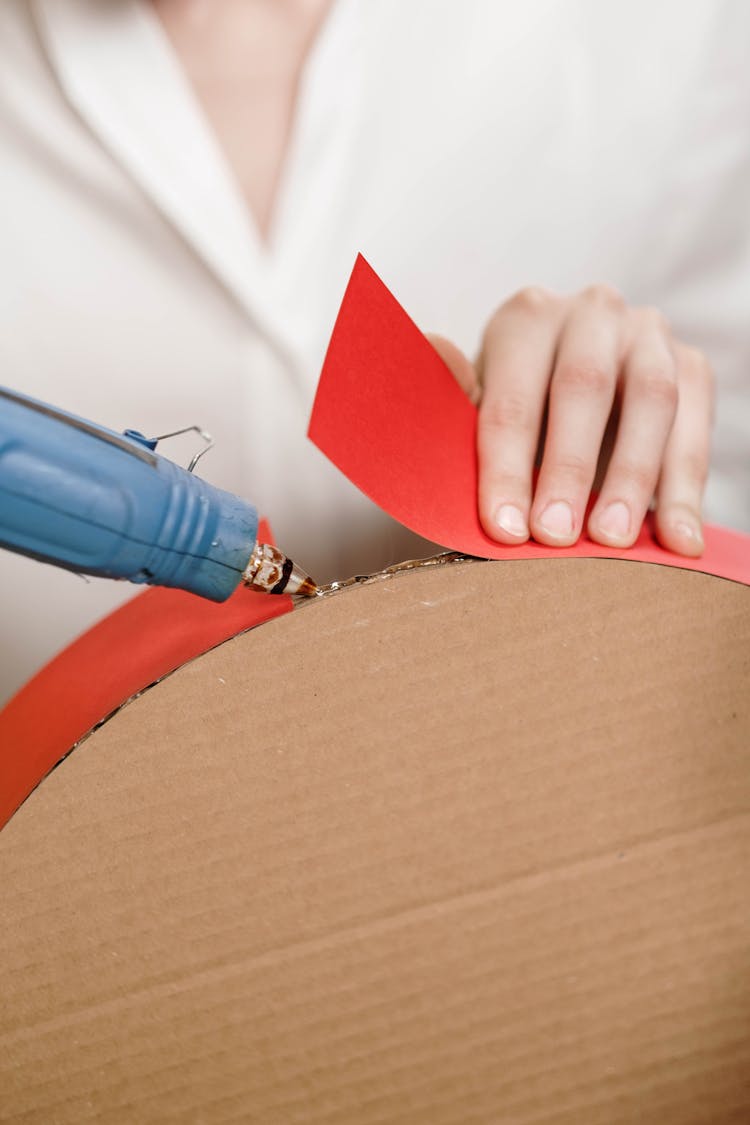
(97,502)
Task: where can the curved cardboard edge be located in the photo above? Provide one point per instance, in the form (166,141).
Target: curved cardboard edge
(117,658)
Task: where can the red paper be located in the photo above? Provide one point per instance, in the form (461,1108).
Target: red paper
(119,656)
(390,415)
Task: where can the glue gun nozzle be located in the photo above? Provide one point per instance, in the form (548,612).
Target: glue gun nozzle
(301,583)
(272,572)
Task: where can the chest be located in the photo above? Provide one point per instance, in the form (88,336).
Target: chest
(244,63)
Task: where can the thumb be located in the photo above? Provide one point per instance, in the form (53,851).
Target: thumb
(462,370)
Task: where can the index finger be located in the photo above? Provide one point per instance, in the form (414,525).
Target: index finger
(518,355)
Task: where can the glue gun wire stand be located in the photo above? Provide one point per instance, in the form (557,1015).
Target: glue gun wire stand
(93,501)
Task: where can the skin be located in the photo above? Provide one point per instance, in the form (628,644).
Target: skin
(628,410)
(587,389)
(244,59)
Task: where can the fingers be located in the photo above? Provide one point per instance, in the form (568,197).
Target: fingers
(574,356)
(686,457)
(518,354)
(649,404)
(581,394)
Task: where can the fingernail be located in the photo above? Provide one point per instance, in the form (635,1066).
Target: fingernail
(512,520)
(690,532)
(614,522)
(557,520)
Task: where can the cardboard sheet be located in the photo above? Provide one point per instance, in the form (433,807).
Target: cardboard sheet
(463,845)
(424,876)
(391,416)
(122,654)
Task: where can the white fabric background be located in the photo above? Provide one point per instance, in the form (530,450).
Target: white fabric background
(466,149)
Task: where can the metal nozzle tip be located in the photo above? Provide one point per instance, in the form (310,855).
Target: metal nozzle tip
(272,572)
(300,583)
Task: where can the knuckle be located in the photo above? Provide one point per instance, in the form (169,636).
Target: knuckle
(657,384)
(573,467)
(506,479)
(696,364)
(653,318)
(604,295)
(533,300)
(638,474)
(695,468)
(583,377)
(506,412)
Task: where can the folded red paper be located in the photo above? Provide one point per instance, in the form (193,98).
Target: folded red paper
(390,415)
(119,656)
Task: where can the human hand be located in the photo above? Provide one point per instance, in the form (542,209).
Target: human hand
(627,405)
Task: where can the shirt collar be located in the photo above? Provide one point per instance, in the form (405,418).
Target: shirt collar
(117,69)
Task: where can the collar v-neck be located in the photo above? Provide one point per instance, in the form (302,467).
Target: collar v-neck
(118,70)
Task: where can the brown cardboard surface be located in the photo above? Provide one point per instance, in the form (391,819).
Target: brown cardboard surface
(466,844)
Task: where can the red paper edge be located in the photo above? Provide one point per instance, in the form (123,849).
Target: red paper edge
(726,554)
(122,654)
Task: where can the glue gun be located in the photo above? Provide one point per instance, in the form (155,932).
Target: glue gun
(83,497)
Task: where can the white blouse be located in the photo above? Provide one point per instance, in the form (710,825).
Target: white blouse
(467,149)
